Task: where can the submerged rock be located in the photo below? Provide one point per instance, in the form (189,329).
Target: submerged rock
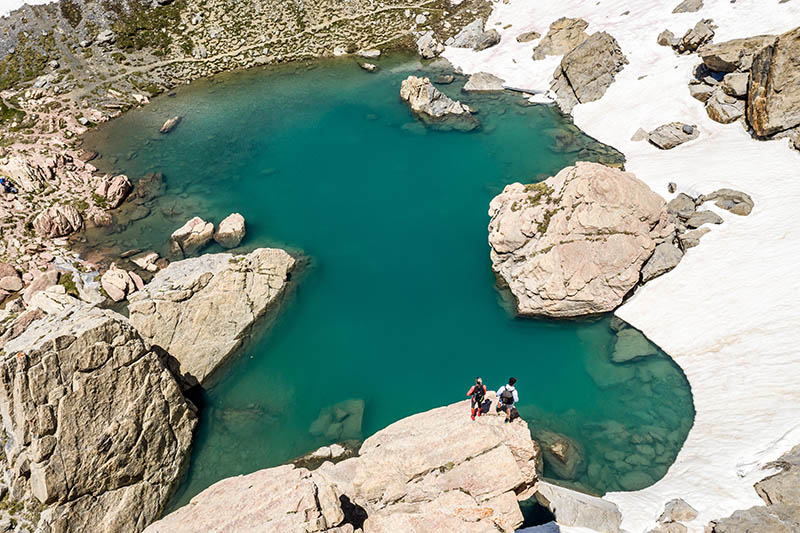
(434,107)
(563,36)
(562,455)
(574,244)
(98,420)
(586,72)
(170,124)
(340,421)
(631,345)
(201,310)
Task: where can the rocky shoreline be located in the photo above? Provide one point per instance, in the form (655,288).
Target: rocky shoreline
(63,356)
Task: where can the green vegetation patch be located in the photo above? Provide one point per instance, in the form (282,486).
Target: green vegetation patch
(140,26)
(71,11)
(28,61)
(68,282)
(8,115)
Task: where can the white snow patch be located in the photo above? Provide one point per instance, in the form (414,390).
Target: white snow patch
(729,313)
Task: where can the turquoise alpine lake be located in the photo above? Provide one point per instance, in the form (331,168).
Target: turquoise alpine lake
(395,308)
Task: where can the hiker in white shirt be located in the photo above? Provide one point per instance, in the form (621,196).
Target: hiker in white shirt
(506,398)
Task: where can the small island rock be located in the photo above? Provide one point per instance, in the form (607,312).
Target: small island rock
(231,231)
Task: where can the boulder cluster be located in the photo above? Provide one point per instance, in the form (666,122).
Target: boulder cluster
(755,80)
(196,234)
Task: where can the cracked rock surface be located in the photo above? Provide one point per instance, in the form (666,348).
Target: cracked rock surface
(200,310)
(575,243)
(98,428)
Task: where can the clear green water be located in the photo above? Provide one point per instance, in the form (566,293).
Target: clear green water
(397,305)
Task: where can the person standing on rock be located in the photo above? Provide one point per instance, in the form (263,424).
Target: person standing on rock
(506,398)
(478,393)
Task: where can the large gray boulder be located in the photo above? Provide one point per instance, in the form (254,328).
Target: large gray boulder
(688,6)
(230,231)
(724,108)
(702,33)
(778,518)
(201,310)
(57,221)
(575,243)
(668,136)
(734,55)
(737,202)
(97,421)
(783,487)
(586,72)
(773,99)
(665,257)
(469,36)
(191,237)
(576,509)
(483,82)
(433,107)
(563,36)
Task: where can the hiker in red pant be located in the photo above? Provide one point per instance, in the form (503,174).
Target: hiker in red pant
(478,393)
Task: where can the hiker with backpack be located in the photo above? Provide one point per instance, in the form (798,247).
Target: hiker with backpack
(478,393)
(506,398)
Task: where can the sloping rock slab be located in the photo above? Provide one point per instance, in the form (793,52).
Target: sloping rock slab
(200,310)
(773,100)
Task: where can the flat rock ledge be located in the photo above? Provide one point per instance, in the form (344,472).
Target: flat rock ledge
(200,310)
(406,477)
(575,243)
(98,430)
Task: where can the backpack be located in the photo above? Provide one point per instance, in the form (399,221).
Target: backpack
(507,397)
(478,393)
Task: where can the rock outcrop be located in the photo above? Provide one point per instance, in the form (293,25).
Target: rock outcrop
(113,190)
(773,99)
(665,257)
(29,176)
(98,428)
(564,35)
(734,55)
(473,36)
(702,33)
(586,72)
(405,478)
(434,107)
(575,243)
(688,6)
(230,231)
(57,221)
(191,237)
(201,310)
(428,47)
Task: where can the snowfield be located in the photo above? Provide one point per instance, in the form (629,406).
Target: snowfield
(729,313)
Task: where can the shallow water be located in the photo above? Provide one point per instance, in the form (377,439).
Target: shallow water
(397,305)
